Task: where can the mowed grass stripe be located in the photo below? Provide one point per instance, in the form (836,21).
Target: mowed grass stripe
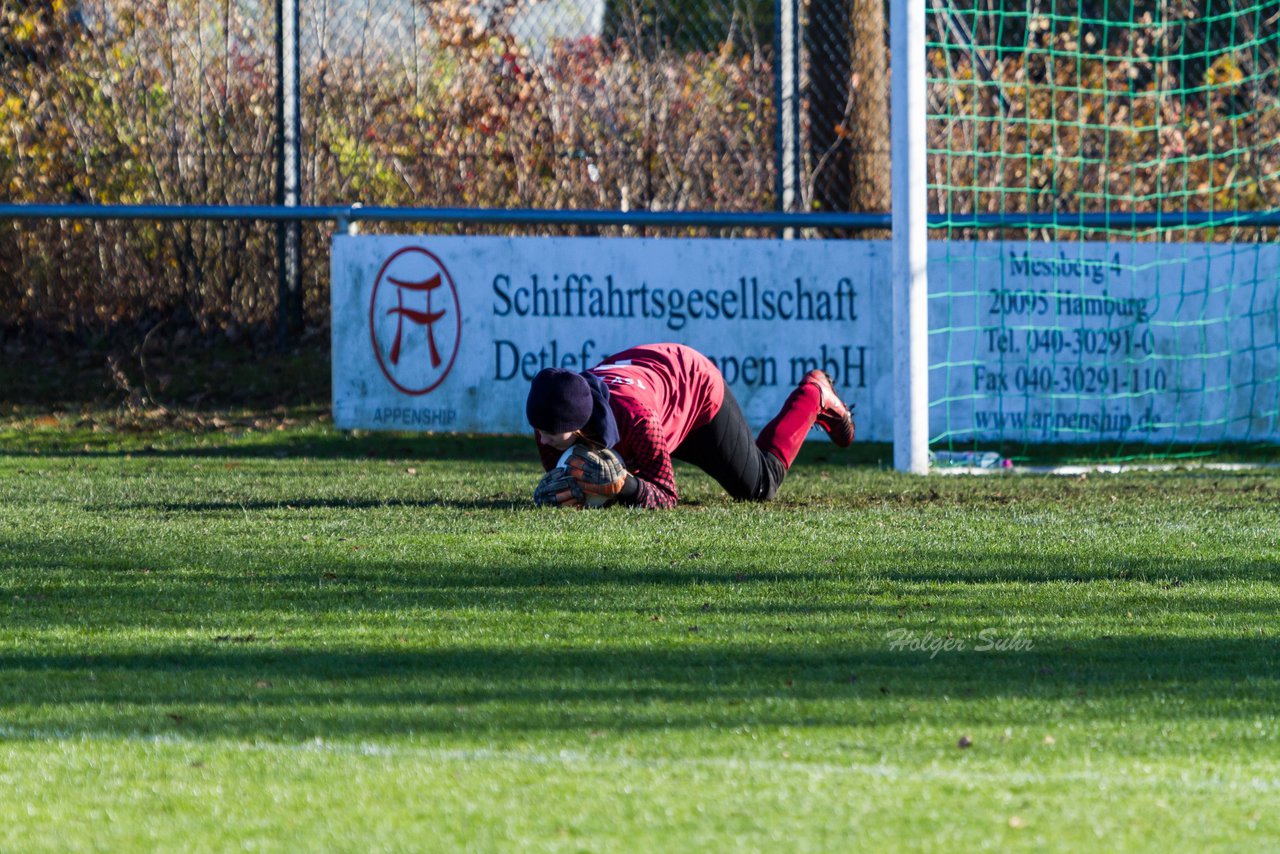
(381,646)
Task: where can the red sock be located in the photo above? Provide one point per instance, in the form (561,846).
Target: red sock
(784,435)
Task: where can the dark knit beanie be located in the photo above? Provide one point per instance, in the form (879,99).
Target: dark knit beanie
(559,401)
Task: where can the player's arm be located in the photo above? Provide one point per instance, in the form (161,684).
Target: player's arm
(651,480)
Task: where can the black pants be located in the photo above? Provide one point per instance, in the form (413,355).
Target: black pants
(725,449)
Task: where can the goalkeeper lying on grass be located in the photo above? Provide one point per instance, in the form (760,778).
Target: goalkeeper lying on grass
(626,419)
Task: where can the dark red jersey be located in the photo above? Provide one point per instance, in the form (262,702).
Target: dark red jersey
(659,393)
(674,382)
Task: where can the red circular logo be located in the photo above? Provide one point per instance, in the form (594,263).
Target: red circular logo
(415,320)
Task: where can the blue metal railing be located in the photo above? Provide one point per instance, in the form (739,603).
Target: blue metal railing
(344,214)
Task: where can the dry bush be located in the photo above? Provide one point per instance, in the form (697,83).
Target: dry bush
(151,106)
(172,103)
(478,119)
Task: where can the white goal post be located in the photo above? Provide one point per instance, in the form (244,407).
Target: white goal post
(910,236)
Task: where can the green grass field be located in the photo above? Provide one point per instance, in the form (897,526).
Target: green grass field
(288,639)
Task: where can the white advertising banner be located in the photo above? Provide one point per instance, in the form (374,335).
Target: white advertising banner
(1096,342)
(1028,341)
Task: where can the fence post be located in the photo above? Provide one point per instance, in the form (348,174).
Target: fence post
(787,96)
(910,238)
(288,171)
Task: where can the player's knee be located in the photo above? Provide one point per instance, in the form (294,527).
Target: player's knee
(753,492)
(766,486)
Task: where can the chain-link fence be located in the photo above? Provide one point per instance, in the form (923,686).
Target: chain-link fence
(570,104)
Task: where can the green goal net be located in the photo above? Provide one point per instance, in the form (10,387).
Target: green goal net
(1103,263)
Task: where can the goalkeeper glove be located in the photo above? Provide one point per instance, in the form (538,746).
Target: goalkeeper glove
(558,489)
(600,473)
